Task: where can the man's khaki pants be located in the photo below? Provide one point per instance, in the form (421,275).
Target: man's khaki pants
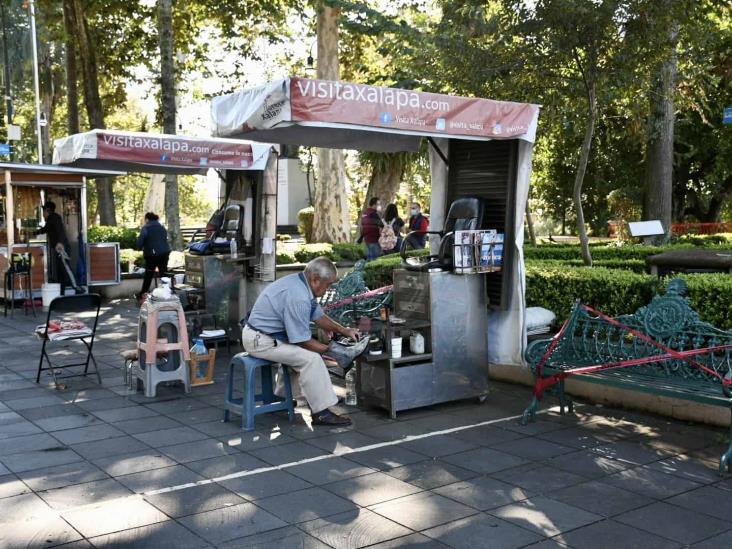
(310,378)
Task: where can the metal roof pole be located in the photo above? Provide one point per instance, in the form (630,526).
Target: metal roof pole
(32,10)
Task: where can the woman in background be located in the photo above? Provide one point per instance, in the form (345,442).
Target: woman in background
(153,241)
(391,217)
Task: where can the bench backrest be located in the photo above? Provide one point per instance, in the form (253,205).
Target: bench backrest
(668,319)
(350,285)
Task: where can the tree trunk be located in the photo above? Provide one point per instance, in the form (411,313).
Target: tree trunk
(93,103)
(580,175)
(385,179)
(660,140)
(167,100)
(72,77)
(330,223)
(530,224)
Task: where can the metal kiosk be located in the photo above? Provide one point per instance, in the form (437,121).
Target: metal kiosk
(478,148)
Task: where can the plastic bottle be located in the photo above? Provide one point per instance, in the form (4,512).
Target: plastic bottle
(351,399)
(199,350)
(232,246)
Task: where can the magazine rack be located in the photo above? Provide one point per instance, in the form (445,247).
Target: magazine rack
(477,252)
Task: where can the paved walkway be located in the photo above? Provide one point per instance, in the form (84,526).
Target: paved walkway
(99,466)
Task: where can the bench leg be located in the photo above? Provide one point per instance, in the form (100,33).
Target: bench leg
(725,463)
(530,412)
(564,400)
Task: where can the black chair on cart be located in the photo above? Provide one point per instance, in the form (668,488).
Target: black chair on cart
(84,308)
(465,214)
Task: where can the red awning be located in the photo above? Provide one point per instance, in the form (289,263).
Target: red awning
(324,113)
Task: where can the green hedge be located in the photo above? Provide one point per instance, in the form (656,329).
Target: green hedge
(635,265)
(305,223)
(710,294)
(285,258)
(104,233)
(336,252)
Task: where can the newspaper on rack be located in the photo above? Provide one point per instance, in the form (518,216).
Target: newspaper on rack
(65,329)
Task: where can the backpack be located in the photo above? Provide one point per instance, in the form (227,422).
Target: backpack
(388,238)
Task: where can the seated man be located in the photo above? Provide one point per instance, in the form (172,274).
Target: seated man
(278,329)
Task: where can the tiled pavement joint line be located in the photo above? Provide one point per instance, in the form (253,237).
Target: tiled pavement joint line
(340,453)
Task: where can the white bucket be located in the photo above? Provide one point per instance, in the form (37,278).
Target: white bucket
(49,292)
(179,277)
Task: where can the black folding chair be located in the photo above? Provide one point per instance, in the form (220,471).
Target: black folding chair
(71,307)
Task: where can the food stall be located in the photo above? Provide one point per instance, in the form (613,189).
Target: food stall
(218,282)
(479,149)
(26,188)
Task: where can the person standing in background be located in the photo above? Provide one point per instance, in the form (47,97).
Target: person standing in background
(417,222)
(371,224)
(58,242)
(153,241)
(391,217)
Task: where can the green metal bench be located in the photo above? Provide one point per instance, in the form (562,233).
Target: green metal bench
(662,348)
(350,299)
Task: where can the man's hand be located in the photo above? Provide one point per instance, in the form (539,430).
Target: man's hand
(60,247)
(353,333)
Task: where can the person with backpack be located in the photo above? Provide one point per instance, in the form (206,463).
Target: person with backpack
(391,233)
(417,222)
(371,225)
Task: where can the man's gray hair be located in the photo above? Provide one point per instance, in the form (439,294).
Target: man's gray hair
(321,268)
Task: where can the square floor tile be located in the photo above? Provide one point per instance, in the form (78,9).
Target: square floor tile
(147,424)
(283,538)
(156,536)
(532,448)
(357,528)
(600,498)
(30,443)
(653,484)
(423,510)
(265,484)
(631,452)
(287,453)
(538,479)
(155,479)
(484,460)
(708,500)
(672,522)
(340,442)
(308,504)
(329,470)
(370,489)
(50,531)
(230,523)
(430,474)
(87,434)
(63,475)
(200,449)
(609,534)
(439,446)
(545,516)
(587,464)
(109,447)
(136,462)
(22,507)
(67,422)
(226,465)
(69,497)
(576,437)
(196,499)
(483,493)
(10,486)
(113,516)
(387,457)
(168,437)
(412,541)
(487,435)
(479,530)
(700,471)
(715,542)
(38,459)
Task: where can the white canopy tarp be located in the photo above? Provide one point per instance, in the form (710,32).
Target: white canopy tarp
(158,153)
(343,115)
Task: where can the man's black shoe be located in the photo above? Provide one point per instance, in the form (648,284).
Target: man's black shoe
(326,417)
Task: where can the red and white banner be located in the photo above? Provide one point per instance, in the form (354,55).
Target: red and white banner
(346,103)
(147,152)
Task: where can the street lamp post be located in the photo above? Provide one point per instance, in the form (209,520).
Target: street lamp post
(32,11)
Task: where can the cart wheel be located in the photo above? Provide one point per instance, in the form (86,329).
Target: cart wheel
(482,399)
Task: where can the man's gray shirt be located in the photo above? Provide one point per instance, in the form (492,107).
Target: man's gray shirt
(285,308)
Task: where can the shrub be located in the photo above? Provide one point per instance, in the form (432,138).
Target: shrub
(635,265)
(611,291)
(128,255)
(350,252)
(306,252)
(710,294)
(600,252)
(126,237)
(285,258)
(305,223)
(378,273)
(284,237)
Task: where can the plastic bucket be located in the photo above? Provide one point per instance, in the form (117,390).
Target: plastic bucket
(49,292)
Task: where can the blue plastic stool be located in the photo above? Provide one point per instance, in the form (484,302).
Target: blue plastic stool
(247,407)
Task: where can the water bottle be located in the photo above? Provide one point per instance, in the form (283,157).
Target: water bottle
(232,246)
(199,350)
(351,399)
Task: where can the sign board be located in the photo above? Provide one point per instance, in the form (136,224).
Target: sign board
(13,132)
(646,228)
(727,116)
(4,148)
